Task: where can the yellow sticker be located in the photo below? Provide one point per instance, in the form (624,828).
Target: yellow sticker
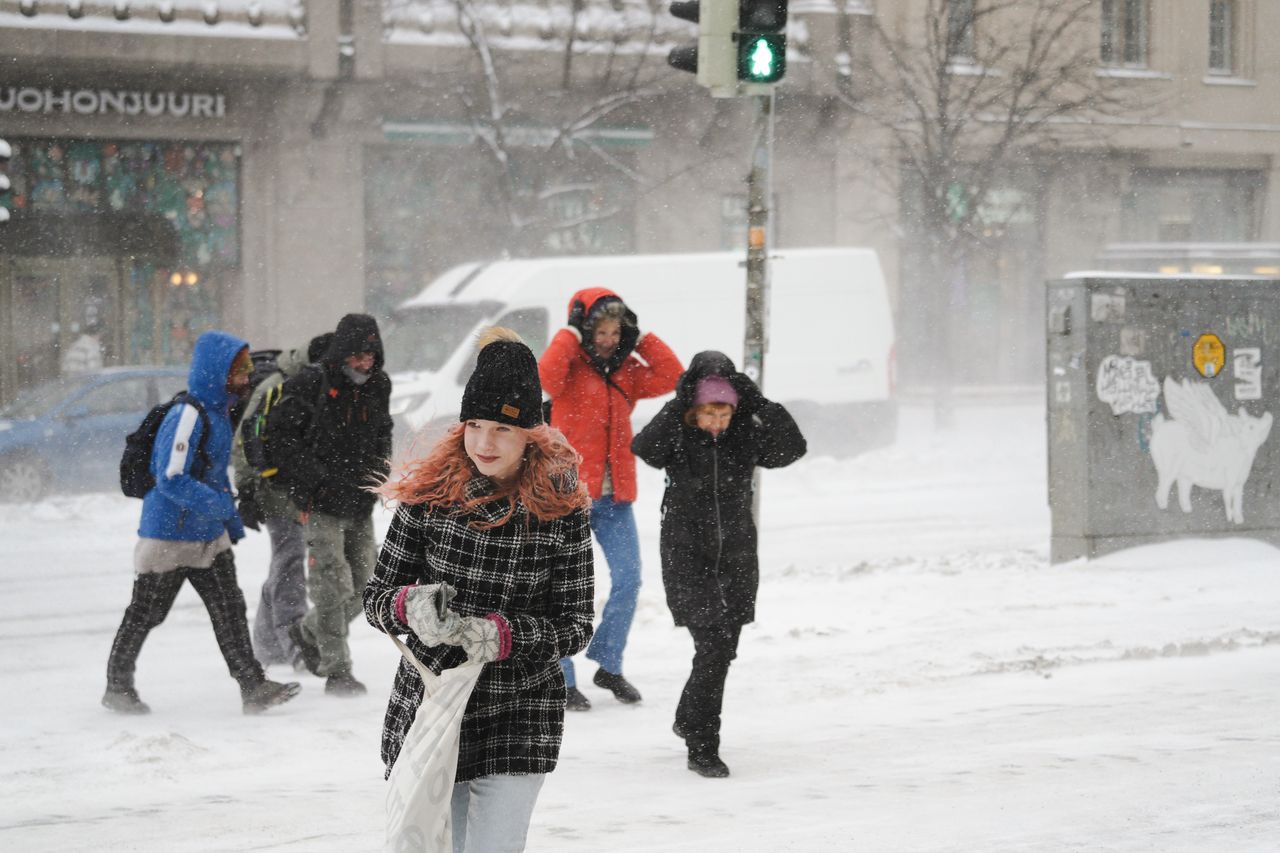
(1209,355)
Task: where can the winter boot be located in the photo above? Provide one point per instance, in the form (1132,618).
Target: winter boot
(575,701)
(124,701)
(344,684)
(310,652)
(704,759)
(622,689)
(268,693)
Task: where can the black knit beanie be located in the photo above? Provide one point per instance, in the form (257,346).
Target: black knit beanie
(504,387)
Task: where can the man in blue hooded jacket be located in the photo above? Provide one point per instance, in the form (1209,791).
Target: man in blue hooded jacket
(189,522)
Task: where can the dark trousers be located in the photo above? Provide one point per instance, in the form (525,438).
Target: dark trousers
(698,714)
(284,593)
(153,595)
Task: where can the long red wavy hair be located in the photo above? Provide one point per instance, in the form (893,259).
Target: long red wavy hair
(548,484)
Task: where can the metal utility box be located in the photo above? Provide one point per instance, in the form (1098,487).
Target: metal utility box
(1161,396)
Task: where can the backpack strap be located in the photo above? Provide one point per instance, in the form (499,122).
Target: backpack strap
(202,454)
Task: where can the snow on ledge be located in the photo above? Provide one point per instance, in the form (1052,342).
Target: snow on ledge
(263,19)
(1163,276)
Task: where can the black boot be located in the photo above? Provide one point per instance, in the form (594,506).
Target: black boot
(704,759)
(344,684)
(622,689)
(268,694)
(310,652)
(124,701)
(575,701)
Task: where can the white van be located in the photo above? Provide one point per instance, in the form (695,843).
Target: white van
(830,356)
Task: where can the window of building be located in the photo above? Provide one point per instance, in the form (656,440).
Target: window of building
(414,190)
(960,30)
(1124,32)
(1202,206)
(1222,23)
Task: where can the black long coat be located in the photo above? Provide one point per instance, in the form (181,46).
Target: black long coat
(708,540)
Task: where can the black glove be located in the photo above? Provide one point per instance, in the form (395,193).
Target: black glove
(749,397)
(250,512)
(577,314)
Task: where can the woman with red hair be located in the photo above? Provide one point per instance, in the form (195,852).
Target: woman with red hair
(492,523)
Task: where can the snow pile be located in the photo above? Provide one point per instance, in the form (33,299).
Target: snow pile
(920,678)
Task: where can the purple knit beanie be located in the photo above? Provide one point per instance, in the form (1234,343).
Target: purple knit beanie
(715,389)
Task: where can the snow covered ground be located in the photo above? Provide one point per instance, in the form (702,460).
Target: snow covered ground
(920,679)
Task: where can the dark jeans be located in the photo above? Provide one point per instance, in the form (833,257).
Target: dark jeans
(698,714)
(153,595)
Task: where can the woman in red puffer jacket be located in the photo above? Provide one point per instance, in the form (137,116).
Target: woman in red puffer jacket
(593,376)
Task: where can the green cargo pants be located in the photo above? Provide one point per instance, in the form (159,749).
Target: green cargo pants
(340,558)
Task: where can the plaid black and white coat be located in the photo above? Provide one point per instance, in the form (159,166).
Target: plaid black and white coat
(538,576)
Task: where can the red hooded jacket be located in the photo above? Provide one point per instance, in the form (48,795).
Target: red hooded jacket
(594,413)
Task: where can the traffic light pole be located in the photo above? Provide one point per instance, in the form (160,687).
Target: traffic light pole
(759,193)
(759,186)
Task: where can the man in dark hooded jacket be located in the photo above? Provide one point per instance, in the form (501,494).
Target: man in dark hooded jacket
(330,441)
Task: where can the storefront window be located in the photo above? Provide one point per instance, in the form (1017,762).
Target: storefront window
(194,186)
(542,206)
(132,243)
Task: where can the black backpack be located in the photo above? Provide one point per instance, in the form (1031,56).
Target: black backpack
(254,438)
(135,464)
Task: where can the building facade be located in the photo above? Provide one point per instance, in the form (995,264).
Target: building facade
(268,166)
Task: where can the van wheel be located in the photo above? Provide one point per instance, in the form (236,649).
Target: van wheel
(22,480)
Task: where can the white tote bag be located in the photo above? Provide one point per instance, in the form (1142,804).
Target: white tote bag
(420,788)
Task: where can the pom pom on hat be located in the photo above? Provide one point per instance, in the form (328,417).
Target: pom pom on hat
(504,387)
(715,389)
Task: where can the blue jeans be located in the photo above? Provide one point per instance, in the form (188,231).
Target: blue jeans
(614,525)
(491,814)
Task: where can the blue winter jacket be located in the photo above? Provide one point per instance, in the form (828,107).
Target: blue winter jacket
(181,506)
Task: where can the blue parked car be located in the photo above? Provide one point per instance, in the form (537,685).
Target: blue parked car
(67,435)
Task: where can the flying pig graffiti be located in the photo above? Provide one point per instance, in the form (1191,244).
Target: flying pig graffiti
(1204,446)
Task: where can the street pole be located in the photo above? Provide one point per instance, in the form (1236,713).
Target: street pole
(759,192)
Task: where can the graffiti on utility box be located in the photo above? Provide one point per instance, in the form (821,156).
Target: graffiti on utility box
(1127,385)
(1246,364)
(1203,445)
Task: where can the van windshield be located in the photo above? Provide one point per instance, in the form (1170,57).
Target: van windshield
(422,338)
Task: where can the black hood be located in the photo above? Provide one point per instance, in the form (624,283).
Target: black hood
(713,363)
(356,333)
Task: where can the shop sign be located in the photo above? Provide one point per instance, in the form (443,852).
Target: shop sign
(85,102)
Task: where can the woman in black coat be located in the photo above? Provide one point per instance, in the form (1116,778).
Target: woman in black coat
(709,440)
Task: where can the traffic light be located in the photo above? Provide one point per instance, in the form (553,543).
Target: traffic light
(762,44)
(714,57)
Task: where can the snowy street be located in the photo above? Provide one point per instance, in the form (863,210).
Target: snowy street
(919,679)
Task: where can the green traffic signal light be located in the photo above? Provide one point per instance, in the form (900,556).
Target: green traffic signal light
(762,58)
